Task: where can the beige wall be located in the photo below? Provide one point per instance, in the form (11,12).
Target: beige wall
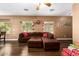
(60,29)
(63,27)
(76,24)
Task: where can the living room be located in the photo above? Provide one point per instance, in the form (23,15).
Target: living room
(48,19)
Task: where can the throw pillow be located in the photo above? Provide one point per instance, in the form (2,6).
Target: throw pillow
(45,35)
(26,34)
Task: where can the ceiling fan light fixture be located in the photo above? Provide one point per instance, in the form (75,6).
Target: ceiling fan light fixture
(38,6)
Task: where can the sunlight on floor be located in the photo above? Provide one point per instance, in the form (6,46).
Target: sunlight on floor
(24,51)
(6,49)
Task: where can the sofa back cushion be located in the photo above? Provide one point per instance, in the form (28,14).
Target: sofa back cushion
(36,34)
(48,35)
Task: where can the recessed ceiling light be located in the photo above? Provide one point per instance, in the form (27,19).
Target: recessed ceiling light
(25,9)
(51,9)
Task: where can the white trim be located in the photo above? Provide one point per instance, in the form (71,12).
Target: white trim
(64,38)
(11,39)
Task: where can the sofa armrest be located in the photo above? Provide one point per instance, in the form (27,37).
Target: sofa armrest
(22,38)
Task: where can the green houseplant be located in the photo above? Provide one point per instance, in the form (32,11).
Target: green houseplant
(4,27)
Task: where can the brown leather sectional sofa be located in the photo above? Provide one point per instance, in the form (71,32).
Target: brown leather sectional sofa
(23,38)
(39,40)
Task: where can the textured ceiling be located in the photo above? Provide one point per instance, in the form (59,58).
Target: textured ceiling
(57,9)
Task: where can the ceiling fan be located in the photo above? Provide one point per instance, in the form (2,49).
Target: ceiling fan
(47,4)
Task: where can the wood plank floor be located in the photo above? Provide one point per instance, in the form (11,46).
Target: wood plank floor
(13,48)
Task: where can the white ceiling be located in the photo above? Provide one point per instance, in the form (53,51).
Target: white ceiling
(59,9)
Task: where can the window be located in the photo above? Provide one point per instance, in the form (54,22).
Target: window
(5,26)
(26,26)
(49,26)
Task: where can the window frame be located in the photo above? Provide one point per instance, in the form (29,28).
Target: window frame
(26,22)
(10,30)
(50,23)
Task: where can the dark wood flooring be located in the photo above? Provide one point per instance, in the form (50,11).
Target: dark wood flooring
(13,48)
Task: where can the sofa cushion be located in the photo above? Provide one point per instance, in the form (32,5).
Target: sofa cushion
(51,44)
(35,43)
